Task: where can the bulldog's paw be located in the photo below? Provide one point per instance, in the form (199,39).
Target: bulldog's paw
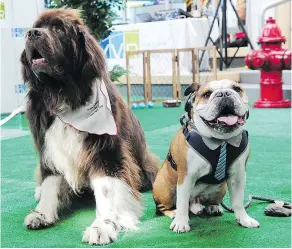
(247,221)
(213,210)
(101,232)
(36,220)
(180,225)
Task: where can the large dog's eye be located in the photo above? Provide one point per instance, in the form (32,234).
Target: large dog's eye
(57,29)
(207,94)
(237,89)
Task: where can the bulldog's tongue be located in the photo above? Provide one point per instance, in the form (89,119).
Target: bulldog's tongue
(228,120)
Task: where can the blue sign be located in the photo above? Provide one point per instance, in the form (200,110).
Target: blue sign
(21,88)
(17,32)
(113,45)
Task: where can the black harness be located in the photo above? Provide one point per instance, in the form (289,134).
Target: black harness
(171,161)
(195,140)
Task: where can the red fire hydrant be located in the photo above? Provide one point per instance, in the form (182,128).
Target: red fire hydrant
(271,59)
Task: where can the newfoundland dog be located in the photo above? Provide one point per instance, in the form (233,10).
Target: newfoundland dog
(85,135)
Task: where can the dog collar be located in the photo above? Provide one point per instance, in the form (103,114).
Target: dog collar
(95,117)
(212,143)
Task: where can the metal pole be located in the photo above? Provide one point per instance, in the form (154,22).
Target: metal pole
(220,51)
(224,30)
(210,31)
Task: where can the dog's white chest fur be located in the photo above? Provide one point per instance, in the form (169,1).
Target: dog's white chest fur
(63,145)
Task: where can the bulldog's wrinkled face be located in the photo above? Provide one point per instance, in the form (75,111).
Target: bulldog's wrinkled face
(220,109)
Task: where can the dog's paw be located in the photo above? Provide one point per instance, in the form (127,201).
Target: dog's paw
(170,213)
(101,232)
(247,221)
(36,220)
(213,210)
(128,222)
(196,208)
(180,225)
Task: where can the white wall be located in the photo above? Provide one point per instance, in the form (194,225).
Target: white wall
(253,16)
(18,14)
(284,20)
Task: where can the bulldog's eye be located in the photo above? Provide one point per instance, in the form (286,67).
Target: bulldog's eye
(237,89)
(207,94)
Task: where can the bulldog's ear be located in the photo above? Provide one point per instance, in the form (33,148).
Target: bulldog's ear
(247,115)
(194,87)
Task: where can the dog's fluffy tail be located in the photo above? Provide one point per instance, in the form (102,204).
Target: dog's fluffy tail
(149,172)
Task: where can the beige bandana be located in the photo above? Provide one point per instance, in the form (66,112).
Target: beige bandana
(96,116)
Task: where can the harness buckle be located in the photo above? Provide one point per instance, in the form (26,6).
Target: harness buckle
(184,120)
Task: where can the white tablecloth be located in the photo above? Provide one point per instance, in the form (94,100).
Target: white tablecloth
(181,33)
(173,34)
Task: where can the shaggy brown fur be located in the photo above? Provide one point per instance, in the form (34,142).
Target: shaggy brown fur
(73,61)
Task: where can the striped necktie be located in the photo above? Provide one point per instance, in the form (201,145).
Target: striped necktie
(221,165)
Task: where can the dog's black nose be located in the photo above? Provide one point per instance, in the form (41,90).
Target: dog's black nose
(219,95)
(34,34)
(227,93)
(223,94)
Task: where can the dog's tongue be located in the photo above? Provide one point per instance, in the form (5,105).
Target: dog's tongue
(229,120)
(38,61)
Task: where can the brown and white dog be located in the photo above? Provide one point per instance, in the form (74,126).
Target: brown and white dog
(68,80)
(210,151)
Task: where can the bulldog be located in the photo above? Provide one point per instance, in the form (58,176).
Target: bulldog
(209,152)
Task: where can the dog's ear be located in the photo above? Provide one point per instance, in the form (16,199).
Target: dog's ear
(93,61)
(194,87)
(25,69)
(247,115)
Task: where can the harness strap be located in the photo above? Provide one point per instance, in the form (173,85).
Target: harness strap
(171,161)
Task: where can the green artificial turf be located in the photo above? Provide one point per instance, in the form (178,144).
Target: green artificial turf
(268,175)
